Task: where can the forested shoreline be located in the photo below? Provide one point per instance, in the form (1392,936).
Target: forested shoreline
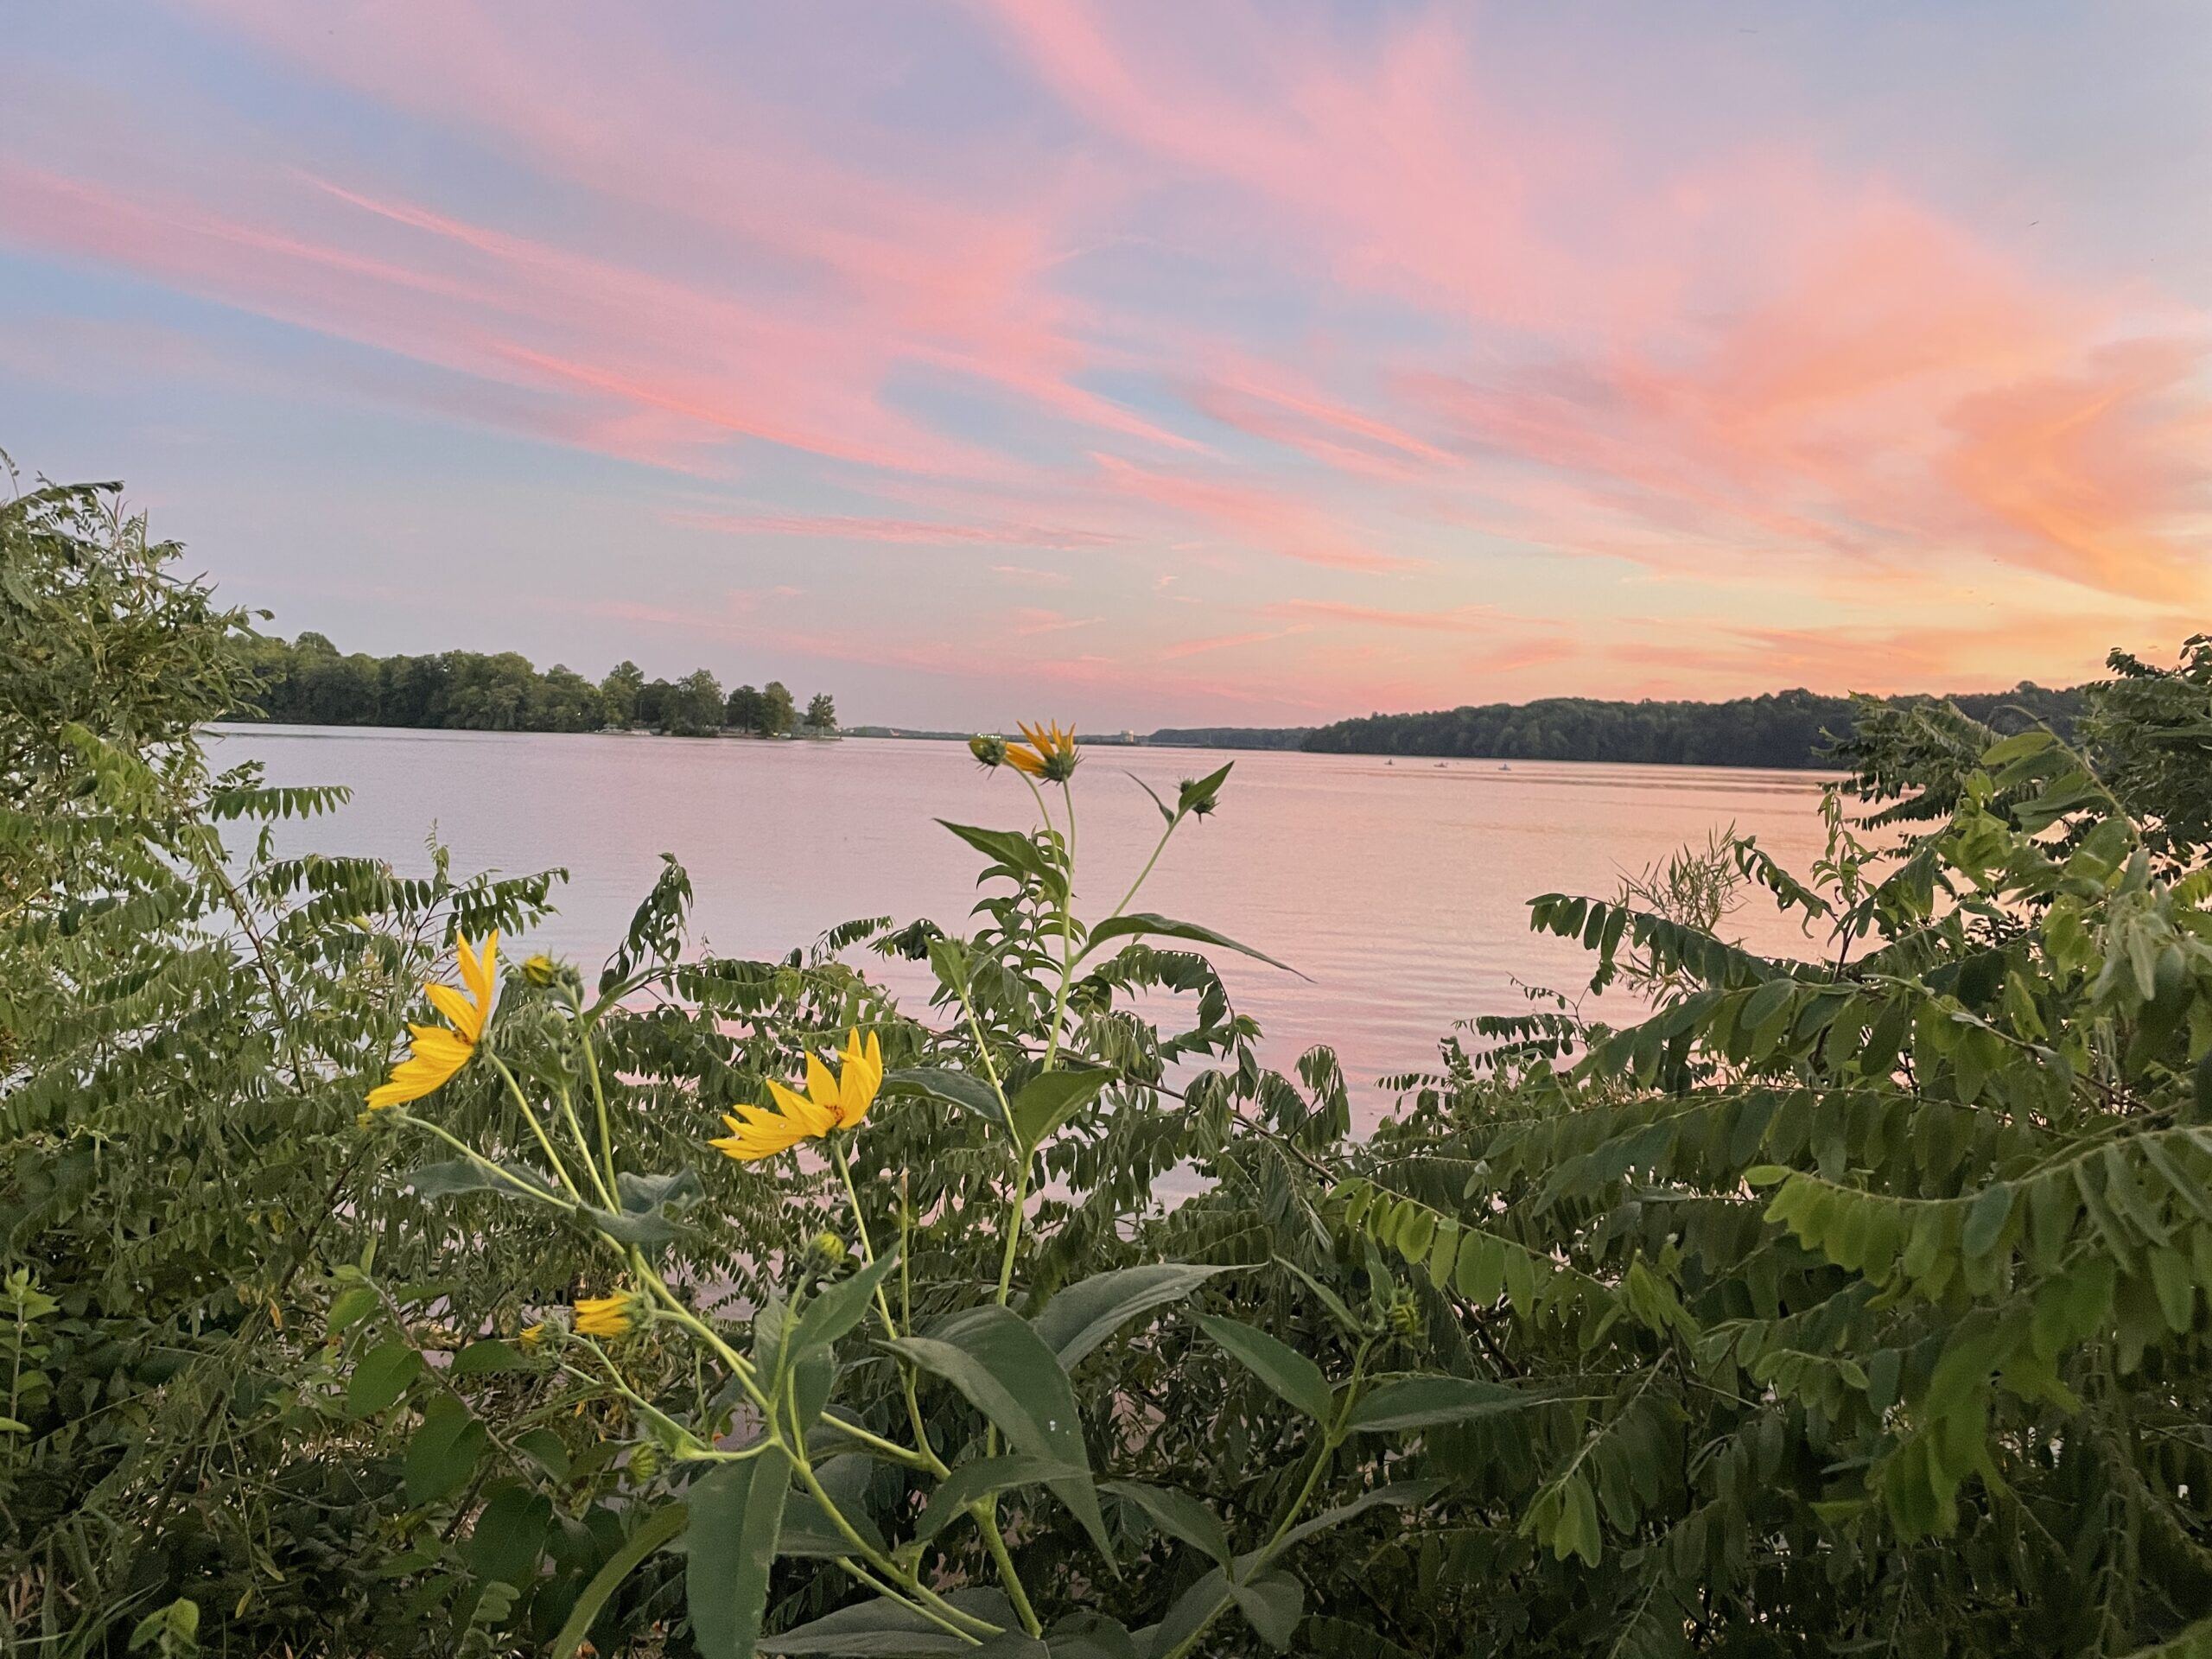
(309,681)
(1796,728)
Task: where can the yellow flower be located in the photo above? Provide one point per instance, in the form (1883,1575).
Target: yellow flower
(830,1102)
(1049,754)
(437,1052)
(532,1335)
(605,1316)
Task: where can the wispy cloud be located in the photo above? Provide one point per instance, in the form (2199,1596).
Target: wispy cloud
(1401,349)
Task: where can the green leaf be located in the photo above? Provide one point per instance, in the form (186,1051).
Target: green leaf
(839,1308)
(1177,1513)
(951,1087)
(807,1528)
(382,1376)
(510,1535)
(1985,1220)
(1401,1494)
(658,1529)
(489,1355)
(1282,1368)
(349,1305)
(993,1357)
(1050,1098)
(1139,923)
(1275,1602)
(973,1481)
(737,1511)
(460,1175)
(1089,1636)
(1012,854)
(1085,1314)
(643,1194)
(1191,1610)
(442,1453)
(1426,1402)
(652,1229)
(885,1629)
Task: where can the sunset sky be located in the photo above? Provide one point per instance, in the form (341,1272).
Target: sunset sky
(1140,364)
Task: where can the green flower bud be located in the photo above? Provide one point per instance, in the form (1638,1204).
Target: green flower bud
(541,971)
(988,749)
(827,1249)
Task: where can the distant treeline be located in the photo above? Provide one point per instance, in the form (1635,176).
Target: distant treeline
(1781,728)
(309,681)
(1231,737)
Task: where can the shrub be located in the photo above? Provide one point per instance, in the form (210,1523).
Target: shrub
(1847,1303)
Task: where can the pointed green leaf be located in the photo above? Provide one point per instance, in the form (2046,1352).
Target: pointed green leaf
(1426,1402)
(1282,1368)
(981,1479)
(1177,1513)
(993,1357)
(839,1308)
(1083,1314)
(737,1511)
(1140,922)
(951,1087)
(657,1530)
(1050,1098)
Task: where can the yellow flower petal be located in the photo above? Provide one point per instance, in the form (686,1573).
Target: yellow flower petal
(812,1119)
(478,970)
(603,1316)
(465,1017)
(821,1087)
(438,1053)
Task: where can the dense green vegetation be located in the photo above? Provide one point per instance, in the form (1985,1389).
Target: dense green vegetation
(1231,737)
(1782,728)
(1854,1302)
(309,681)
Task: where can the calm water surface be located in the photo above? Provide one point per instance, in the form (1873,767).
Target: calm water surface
(1401,888)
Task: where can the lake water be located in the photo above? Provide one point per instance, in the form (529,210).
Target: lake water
(1400,889)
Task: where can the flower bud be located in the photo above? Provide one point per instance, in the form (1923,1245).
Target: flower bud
(827,1249)
(1405,1314)
(541,971)
(644,1461)
(988,749)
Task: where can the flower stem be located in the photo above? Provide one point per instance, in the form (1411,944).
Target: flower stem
(545,1145)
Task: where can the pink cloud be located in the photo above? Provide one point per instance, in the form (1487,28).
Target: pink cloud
(1460,619)
(1264,519)
(904,531)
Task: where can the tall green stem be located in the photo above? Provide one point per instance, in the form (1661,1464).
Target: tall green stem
(522,1105)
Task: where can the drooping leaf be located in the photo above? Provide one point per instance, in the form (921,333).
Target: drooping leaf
(1177,1513)
(1297,1379)
(737,1511)
(951,1087)
(1275,1602)
(653,1534)
(1085,1314)
(1426,1402)
(1050,1098)
(885,1629)
(1141,924)
(993,1357)
(972,1481)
